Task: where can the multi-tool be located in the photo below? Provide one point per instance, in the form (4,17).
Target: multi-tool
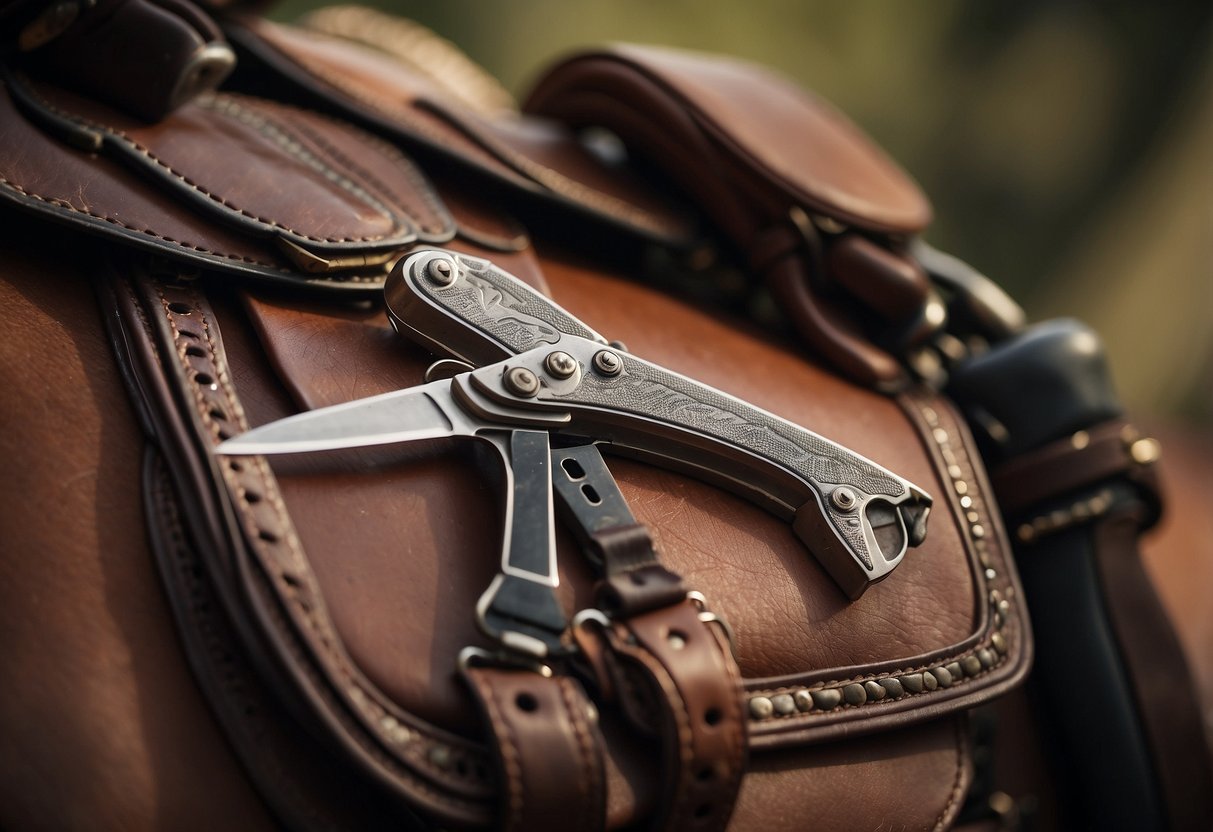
(547,392)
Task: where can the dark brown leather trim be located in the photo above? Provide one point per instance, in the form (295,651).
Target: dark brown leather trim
(674,674)
(1158,672)
(268,590)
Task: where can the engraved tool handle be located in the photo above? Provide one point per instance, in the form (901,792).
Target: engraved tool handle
(855,516)
(469,309)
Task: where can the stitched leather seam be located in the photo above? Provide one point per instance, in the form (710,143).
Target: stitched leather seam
(424,189)
(942,821)
(586,782)
(298,152)
(58,203)
(352,685)
(510,758)
(277,133)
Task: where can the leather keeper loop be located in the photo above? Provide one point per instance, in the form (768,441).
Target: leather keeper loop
(1081,460)
(674,673)
(549,749)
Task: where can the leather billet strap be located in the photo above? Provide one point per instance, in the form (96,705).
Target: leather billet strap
(673,676)
(1077,507)
(549,749)
(812,203)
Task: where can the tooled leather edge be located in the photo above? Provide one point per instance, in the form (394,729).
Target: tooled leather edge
(831,703)
(184,385)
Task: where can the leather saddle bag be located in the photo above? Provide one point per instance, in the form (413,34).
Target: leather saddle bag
(222,265)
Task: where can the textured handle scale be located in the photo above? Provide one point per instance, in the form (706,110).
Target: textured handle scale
(655,393)
(488,303)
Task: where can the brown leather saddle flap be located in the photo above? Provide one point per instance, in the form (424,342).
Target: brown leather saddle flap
(352,577)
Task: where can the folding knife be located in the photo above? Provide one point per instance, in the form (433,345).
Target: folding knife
(527,364)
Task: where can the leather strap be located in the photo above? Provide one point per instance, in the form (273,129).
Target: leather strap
(1158,672)
(1078,461)
(549,749)
(674,676)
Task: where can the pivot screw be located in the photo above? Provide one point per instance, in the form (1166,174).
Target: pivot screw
(607,363)
(844,499)
(522,382)
(441,271)
(560,364)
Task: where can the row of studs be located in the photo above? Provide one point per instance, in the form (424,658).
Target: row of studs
(770,705)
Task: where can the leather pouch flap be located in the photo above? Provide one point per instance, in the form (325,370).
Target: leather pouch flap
(237,182)
(783,147)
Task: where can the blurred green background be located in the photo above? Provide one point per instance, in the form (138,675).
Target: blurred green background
(1067,146)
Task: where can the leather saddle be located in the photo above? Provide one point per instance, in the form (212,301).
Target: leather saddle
(199,248)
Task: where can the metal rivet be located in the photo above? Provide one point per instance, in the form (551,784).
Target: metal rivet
(893,687)
(827,699)
(954,669)
(761,707)
(441,271)
(804,702)
(978,530)
(999,643)
(1080,440)
(854,694)
(912,682)
(875,691)
(991,574)
(966,502)
(783,704)
(522,382)
(986,656)
(955,472)
(962,487)
(560,364)
(971,665)
(844,499)
(607,363)
(941,435)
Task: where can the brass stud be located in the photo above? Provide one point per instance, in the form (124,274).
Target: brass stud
(854,694)
(804,702)
(761,707)
(971,665)
(893,687)
(987,658)
(913,682)
(827,699)
(783,704)
(875,691)
(999,643)
(1080,440)
(930,681)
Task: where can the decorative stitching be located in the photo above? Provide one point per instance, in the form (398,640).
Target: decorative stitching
(421,753)
(587,783)
(238,113)
(59,203)
(422,186)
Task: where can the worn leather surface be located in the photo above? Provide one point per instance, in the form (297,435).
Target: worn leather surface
(103,723)
(364,577)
